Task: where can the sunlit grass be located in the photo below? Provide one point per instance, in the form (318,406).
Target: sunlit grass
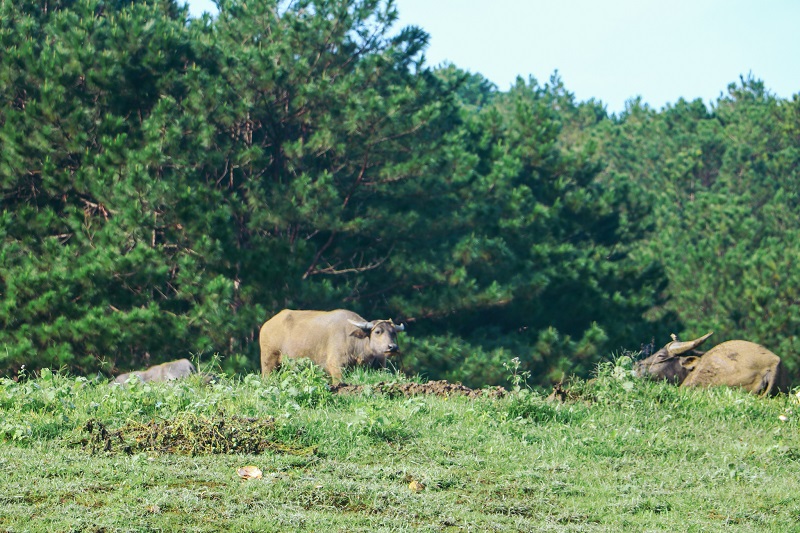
(619,454)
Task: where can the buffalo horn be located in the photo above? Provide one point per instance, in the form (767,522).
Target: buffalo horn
(367,326)
(679,347)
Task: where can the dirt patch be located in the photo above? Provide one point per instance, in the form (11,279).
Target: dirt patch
(438,388)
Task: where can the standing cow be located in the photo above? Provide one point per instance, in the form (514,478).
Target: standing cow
(332,339)
(164,372)
(732,363)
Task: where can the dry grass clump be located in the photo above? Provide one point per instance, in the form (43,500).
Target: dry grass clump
(191,434)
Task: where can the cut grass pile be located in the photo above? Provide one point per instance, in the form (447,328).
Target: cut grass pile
(78,455)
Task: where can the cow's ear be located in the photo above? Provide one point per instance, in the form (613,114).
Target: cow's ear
(359,333)
(689,362)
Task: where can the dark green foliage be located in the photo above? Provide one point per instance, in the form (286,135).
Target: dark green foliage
(723,186)
(84,280)
(535,263)
(166,185)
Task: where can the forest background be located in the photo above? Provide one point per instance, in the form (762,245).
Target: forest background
(168,183)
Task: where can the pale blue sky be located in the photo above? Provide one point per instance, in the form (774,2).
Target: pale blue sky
(614,50)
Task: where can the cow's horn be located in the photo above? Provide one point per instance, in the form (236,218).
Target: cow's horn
(400,327)
(679,347)
(363,325)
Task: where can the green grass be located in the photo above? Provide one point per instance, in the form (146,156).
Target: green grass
(619,455)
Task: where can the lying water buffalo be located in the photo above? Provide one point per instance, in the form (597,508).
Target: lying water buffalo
(732,363)
(163,372)
(332,339)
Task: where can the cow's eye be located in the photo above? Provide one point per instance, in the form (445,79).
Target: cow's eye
(378,331)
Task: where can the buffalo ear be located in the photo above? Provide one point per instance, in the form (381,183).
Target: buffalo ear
(689,362)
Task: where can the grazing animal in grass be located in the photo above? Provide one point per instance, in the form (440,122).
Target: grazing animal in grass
(734,363)
(332,339)
(164,372)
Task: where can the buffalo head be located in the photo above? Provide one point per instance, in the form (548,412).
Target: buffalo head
(382,334)
(673,362)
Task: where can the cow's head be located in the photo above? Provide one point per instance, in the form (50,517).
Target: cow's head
(673,362)
(382,334)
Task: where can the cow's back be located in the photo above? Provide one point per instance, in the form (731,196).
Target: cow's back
(295,333)
(170,371)
(740,364)
(164,372)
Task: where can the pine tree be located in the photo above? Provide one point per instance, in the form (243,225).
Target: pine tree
(722,185)
(536,265)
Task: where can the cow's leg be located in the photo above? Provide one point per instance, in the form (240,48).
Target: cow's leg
(269,361)
(767,384)
(335,371)
(336,376)
(331,361)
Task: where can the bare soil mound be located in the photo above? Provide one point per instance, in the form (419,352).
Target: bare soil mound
(438,388)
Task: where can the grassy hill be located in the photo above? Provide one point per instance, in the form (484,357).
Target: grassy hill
(618,454)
